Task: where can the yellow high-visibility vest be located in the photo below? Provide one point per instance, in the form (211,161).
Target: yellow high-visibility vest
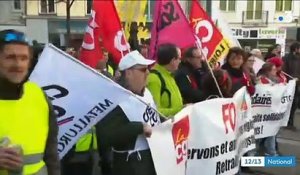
(85,142)
(26,123)
(110,70)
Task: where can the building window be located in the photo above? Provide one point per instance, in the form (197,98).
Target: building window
(254,9)
(227,5)
(284,5)
(17,5)
(47,6)
(89,4)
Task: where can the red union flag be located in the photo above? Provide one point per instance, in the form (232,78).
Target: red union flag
(180,132)
(111,32)
(105,27)
(212,41)
(90,52)
(170,26)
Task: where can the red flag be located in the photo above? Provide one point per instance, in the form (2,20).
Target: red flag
(170,26)
(104,27)
(111,32)
(90,52)
(212,41)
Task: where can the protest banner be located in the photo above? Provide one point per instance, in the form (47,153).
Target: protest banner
(168,145)
(80,96)
(131,11)
(271,106)
(219,132)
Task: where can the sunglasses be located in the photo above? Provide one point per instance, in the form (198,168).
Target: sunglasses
(142,69)
(14,37)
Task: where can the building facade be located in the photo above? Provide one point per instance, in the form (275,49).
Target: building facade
(12,15)
(46,21)
(262,23)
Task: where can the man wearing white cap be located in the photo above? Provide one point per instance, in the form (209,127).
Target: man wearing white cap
(126,128)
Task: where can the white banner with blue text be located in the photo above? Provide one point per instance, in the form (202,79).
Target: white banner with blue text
(271,106)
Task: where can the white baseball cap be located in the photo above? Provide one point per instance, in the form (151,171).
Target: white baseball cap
(133,58)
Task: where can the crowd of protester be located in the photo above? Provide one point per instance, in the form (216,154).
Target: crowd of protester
(182,77)
(178,78)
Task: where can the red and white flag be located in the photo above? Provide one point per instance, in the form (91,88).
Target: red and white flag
(170,26)
(90,51)
(111,32)
(107,30)
(213,44)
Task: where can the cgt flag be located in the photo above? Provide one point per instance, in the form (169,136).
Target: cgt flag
(111,33)
(170,26)
(90,52)
(212,41)
(103,27)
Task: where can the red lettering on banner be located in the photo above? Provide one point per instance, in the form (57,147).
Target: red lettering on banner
(229,115)
(180,132)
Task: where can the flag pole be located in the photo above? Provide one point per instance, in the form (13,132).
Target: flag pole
(288,75)
(128,48)
(209,67)
(198,44)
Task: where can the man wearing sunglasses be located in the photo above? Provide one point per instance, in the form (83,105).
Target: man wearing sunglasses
(189,76)
(125,129)
(27,121)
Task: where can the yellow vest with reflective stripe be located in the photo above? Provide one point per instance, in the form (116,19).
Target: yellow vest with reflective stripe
(110,70)
(84,142)
(26,122)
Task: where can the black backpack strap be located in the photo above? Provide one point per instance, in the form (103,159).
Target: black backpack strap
(163,88)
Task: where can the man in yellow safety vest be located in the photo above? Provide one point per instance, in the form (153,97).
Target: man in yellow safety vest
(80,159)
(28,127)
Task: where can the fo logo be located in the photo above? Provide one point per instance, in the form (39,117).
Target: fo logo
(180,132)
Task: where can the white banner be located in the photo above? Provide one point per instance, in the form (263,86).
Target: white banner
(80,96)
(271,106)
(220,131)
(168,144)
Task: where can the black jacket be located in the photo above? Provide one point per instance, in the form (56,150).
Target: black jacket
(292,65)
(189,81)
(10,91)
(116,131)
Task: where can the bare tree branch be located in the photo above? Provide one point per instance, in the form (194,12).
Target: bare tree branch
(58,1)
(71,3)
